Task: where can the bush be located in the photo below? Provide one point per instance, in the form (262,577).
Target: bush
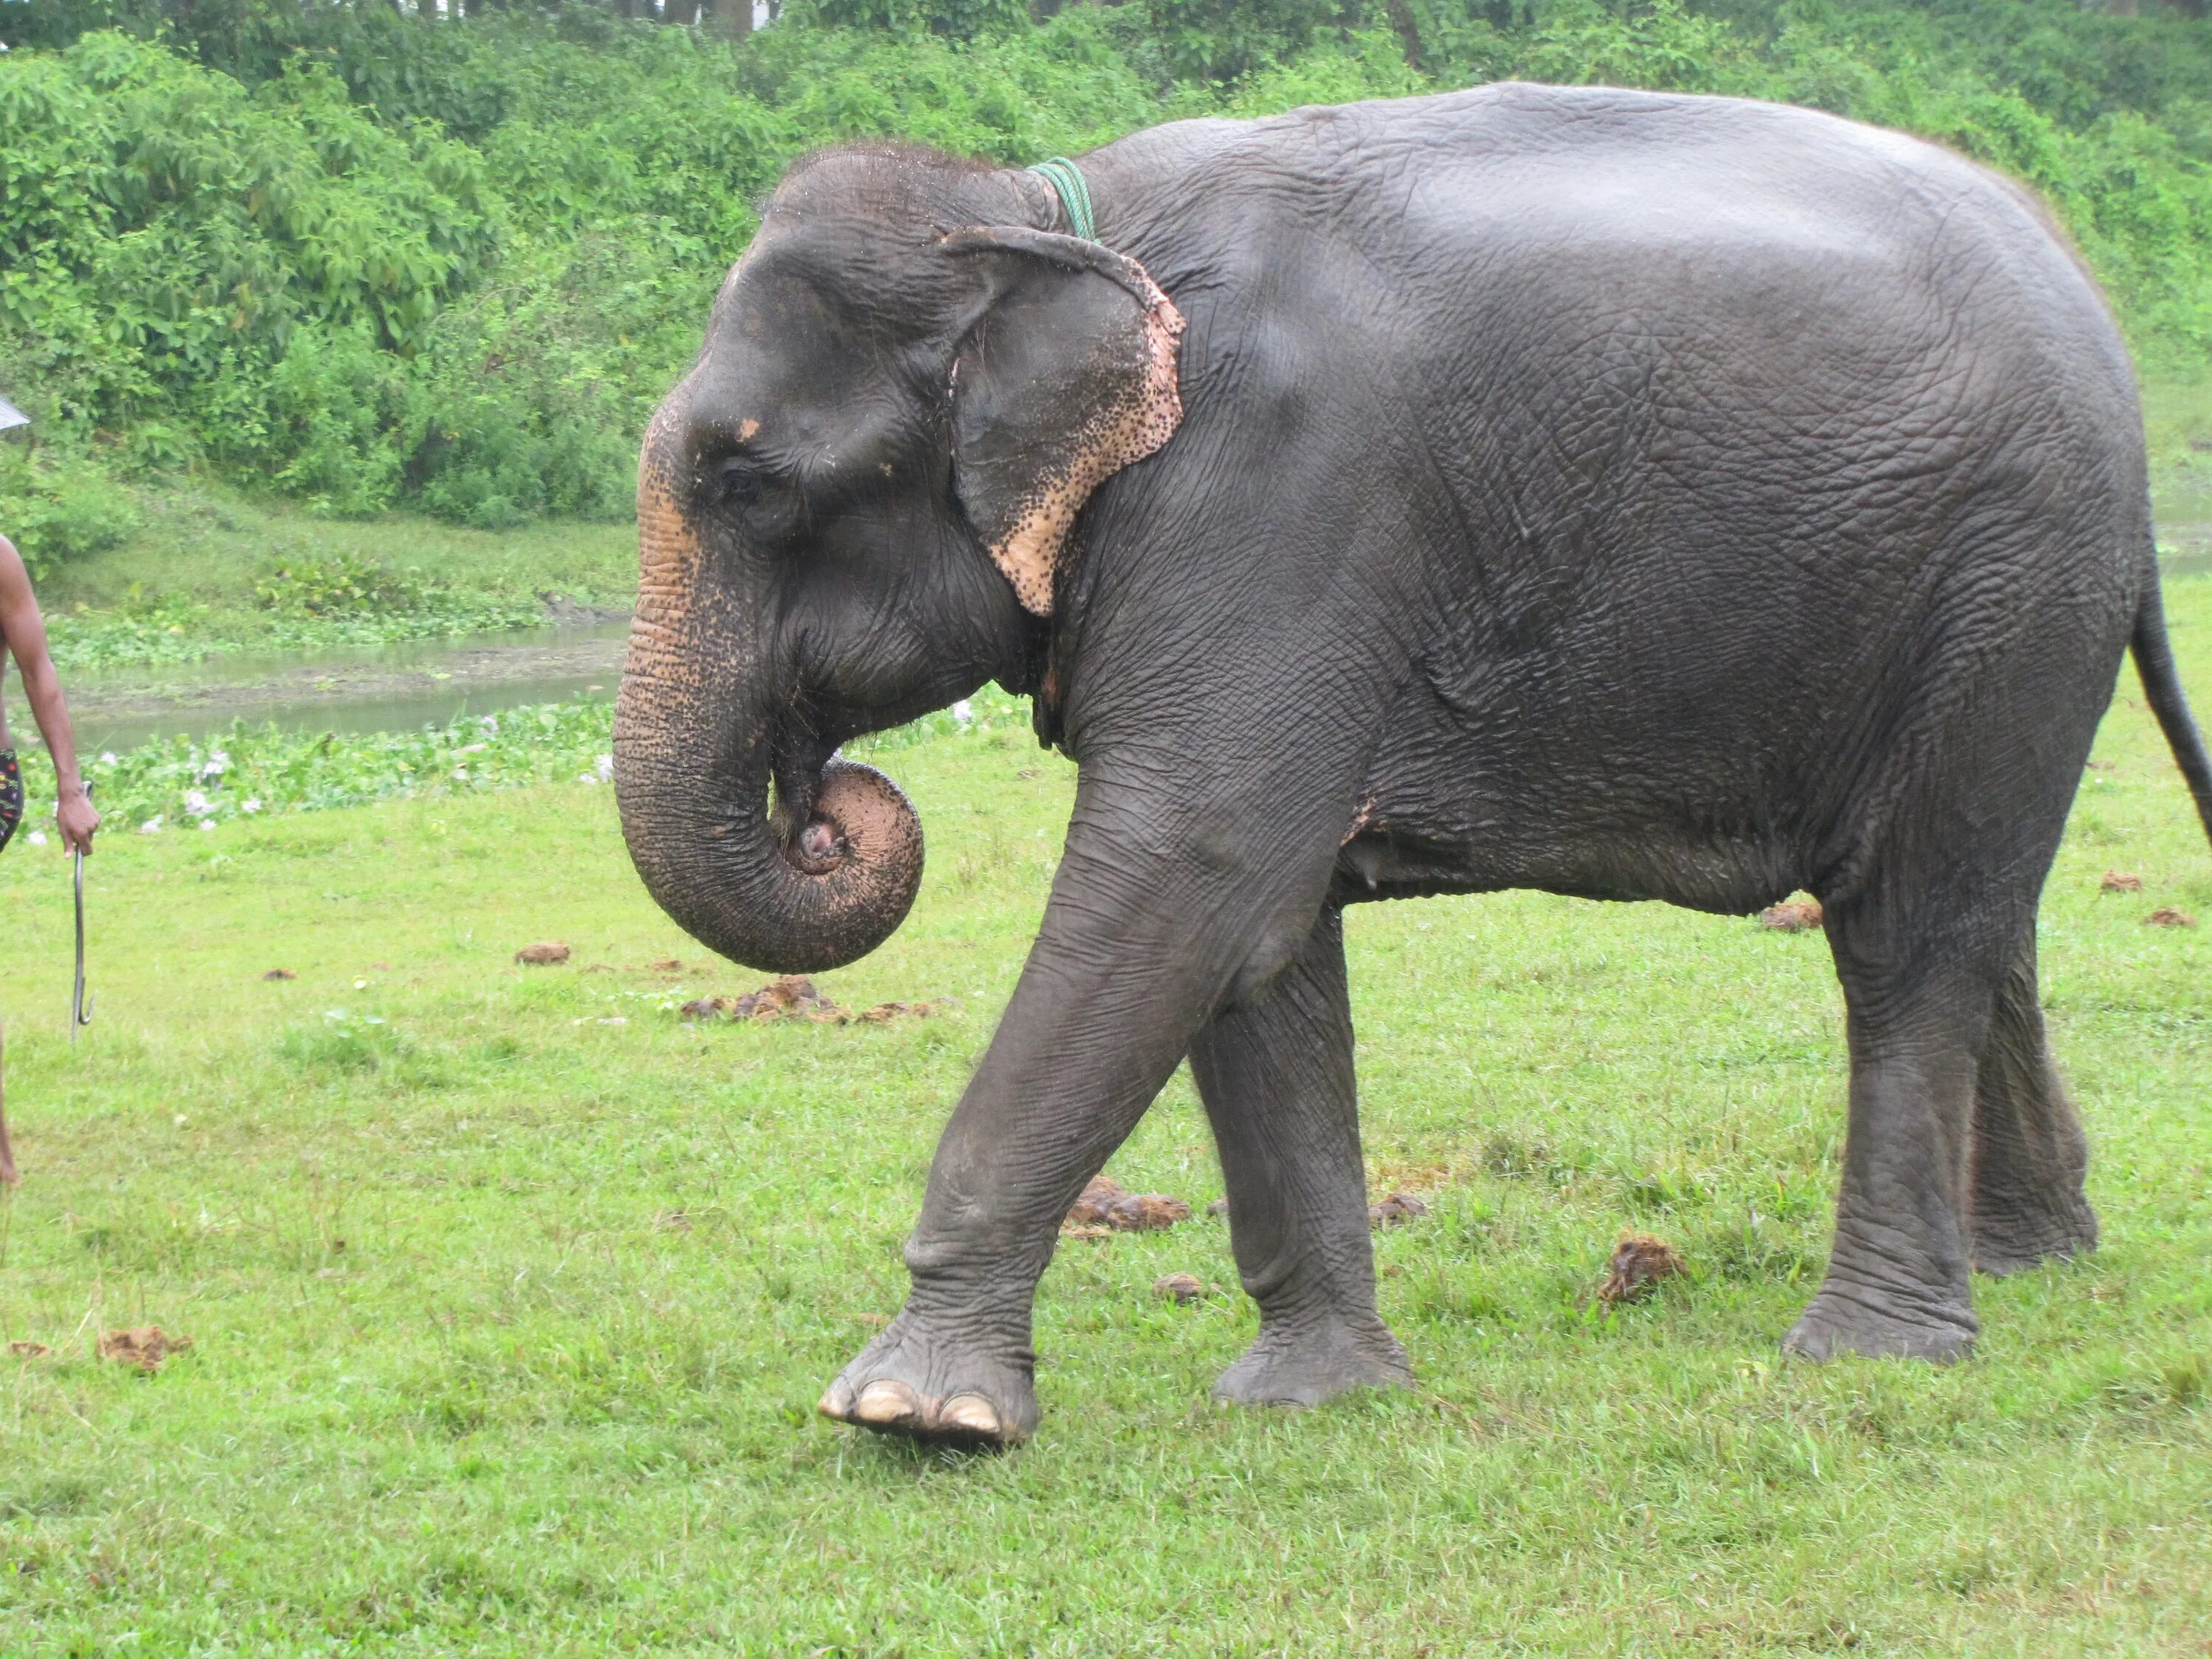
(55,511)
(343,585)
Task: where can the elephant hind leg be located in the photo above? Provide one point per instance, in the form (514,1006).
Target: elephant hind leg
(1276,1076)
(1919,1005)
(2029,1155)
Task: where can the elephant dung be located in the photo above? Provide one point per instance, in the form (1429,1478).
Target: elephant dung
(2120,881)
(1639,1261)
(280,973)
(1179,1287)
(545,954)
(791,997)
(1395,1211)
(146,1347)
(2167,917)
(1793,918)
(1103,1203)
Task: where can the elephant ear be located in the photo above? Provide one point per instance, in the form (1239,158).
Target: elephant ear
(1067,377)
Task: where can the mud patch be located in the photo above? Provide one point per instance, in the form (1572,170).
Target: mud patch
(1639,1262)
(2120,881)
(29,1350)
(1395,1211)
(1179,1287)
(547,953)
(1797,916)
(1104,1205)
(2167,917)
(146,1347)
(666,965)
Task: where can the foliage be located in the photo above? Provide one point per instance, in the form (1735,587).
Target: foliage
(343,583)
(368,257)
(57,510)
(171,628)
(185,782)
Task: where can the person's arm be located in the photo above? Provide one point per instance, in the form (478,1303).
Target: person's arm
(25,631)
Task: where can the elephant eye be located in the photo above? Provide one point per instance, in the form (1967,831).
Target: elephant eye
(740,482)
(765,501)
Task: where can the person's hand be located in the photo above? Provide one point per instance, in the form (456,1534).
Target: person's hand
(77,819)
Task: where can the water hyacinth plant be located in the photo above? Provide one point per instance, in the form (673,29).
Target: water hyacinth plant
(188,783)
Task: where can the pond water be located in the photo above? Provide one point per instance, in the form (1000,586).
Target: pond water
(369,689)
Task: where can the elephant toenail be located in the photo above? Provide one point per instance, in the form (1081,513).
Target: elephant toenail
(886,1404)
(970,1414)
(836,1402)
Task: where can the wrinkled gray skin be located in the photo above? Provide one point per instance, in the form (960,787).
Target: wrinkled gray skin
(1634,496)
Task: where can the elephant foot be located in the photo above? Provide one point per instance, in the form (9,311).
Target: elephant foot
(1305,1365)
(1834,1324)
(937,1389)
(2015,1241)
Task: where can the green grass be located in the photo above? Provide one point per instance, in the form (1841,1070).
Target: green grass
(463,1382)
(2177,419)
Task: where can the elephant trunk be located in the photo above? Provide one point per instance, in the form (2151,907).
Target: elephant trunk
(822,878)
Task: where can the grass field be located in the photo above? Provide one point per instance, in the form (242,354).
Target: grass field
(511,1295)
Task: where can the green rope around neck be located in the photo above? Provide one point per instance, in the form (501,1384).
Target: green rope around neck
(1066,180)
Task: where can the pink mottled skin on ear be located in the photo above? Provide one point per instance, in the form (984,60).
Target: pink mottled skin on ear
(1130,426)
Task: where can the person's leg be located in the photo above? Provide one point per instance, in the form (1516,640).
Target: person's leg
(7,1176)
(11,814)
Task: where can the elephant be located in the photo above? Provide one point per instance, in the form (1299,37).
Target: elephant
(1621,495)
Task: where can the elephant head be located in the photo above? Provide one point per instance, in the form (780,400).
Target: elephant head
(851,512)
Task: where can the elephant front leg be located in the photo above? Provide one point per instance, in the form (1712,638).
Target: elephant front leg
(1276,1075)
(1130,963)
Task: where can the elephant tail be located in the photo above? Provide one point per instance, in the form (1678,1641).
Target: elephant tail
(2162,686)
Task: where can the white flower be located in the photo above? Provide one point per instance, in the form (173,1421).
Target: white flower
(586,777)
(217,762)
(462,772)
(152,826)
(37,838)
(964,711)
(490,725)
(253,806)
(207,823)
(195,802)
(606,769)
(107,757)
